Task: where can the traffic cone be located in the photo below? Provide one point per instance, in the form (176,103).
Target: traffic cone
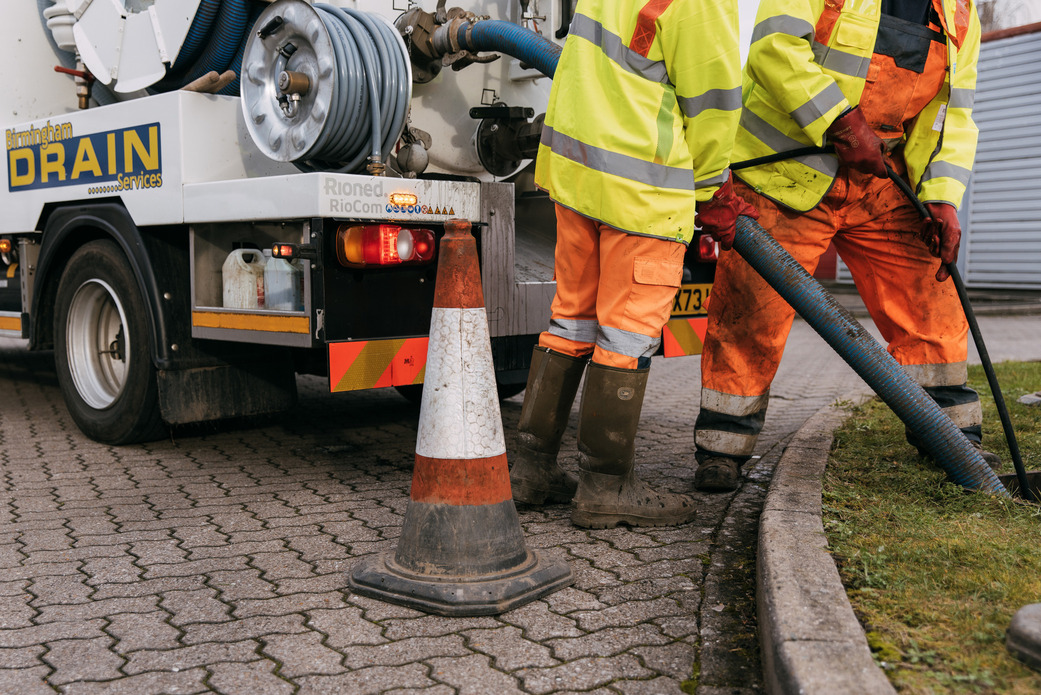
(461,550)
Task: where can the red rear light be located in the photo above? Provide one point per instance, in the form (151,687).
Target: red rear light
(383,244)
(5,246)
(708,248)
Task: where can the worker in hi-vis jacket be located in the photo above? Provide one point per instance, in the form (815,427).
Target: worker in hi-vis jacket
(882,82)
(637,139)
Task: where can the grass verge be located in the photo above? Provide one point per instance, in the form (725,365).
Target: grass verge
(933,572)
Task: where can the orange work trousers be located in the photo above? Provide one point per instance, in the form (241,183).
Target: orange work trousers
(874,228)
(614,291)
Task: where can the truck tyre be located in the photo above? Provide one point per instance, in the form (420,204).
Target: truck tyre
(101,348)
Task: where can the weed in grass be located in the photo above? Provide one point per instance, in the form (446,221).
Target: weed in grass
(934,572)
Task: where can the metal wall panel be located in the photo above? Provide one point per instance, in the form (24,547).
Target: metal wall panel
(1002,217)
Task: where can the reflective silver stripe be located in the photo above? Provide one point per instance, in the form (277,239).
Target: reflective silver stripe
(627,343)
(928,375)
(783,24)
(779,142)
(965,415)
(962,98)
(580,331)
(940,170)
(826,100)
(616,49)
(729,404)
(720,99)
(617,164)
(727,443)
(840,61)
(717,180)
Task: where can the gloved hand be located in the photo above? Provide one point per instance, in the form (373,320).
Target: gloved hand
(856,144)
(718,215)
(942,234)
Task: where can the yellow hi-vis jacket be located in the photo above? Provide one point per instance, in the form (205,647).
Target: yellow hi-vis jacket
(808,62)
(642,113)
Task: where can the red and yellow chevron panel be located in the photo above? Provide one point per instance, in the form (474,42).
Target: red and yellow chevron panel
(684,336)
(369,364)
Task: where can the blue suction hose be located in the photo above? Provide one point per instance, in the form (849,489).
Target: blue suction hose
(513,40)
(948,445)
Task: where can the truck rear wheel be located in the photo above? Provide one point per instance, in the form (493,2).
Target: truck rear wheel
(101,348)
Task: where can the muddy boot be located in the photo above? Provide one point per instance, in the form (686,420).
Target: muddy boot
(608,491)
(718,474)
(552,383)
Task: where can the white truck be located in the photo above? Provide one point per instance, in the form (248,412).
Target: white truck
(157,148)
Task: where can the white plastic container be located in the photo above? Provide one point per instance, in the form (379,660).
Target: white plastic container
(243,278)
(283,286)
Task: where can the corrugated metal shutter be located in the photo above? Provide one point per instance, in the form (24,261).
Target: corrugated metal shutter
(1002,246)
(1001,214)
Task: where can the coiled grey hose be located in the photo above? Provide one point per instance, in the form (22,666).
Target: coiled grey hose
(370,94)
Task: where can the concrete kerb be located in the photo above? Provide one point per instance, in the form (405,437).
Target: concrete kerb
(810,639)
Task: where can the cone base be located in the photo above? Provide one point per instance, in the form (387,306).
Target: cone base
(380,577)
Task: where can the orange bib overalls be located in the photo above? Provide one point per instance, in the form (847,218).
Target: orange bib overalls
(874,228)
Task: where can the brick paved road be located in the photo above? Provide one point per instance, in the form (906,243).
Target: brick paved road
(216,560)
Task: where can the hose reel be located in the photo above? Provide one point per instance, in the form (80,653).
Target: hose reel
(324,87)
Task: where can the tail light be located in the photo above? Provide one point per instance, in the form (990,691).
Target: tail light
(361,246)
(708,248)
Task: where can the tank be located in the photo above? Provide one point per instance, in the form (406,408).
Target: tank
(448,115)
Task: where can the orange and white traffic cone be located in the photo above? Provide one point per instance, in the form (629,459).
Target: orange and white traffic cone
(461,550)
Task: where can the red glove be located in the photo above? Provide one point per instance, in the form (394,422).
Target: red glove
(718,215)
(856,144)
(942,234)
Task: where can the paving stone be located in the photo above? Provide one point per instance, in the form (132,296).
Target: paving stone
(675,660)
(403,651)
(38,634)
(247,628)
(95,609)
(185,658)
(82,659)
(433,626)
(302,655)
(199,606)
(174,683)
(607,642)
(472,675)
(189,568)
(284,565)
(539,623)
(654,686)
(25,681)
(149,587)
(345,627)
(20,657)
(157,552)
(509,648)
(137,631)
(254,678)
(583,674)
(16,611)
(284,605)
(240,584)
(367,681)
(110,570)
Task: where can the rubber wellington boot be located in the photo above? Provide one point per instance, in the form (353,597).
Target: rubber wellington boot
(552,384)
(609,493)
